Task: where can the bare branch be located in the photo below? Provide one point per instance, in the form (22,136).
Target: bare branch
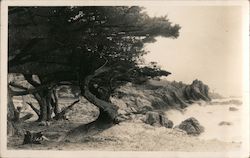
(65,110)
(26,117)
(55,96)
(102,68)
(32,90)
(34,108)
(17,86)
(29,78)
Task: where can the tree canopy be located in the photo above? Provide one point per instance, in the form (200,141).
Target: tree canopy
(58,42)
(88,45)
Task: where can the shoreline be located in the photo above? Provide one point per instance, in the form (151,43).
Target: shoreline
(136,136)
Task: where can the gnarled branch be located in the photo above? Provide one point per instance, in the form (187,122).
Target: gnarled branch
(29,78)
(101,104)
(12,84)
(32,90)
(34,108)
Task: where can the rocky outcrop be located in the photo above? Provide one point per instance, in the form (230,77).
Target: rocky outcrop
(233,109)
(191,126)
(156,119)
(196,91)
(225,123)
(133,99)
(227,102)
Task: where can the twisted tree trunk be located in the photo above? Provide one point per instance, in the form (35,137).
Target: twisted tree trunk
(105,107)
(107,111)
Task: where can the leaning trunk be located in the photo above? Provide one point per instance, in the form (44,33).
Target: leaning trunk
(106,118)
(109,109)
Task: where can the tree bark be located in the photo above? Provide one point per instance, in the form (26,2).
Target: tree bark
(49,105)
(43,109)
(101,123)
(45,100)
(43,93)
(13,114)
(107,115)
(104,106)
(55,102)
(11,117)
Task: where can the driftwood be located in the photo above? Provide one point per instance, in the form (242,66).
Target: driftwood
(26,117)
(61,115)
(34,138)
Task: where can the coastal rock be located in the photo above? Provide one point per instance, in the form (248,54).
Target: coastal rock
(191,126)
(168,123)
(233,109)
(145,109)
(224,123)
(197,91)
(228,102)
(156,119)
(152,118)
(133,99)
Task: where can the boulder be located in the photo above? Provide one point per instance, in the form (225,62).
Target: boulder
(191,126)
(233,109)
(197,91)
(152,118)
(168,123)
(156,119)
(224,123)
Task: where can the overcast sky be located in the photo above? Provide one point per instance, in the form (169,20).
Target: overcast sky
(208,48)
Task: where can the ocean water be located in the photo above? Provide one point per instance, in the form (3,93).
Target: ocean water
(210,116)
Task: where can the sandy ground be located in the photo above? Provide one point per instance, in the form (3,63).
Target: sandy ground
(210,116)
(127,136)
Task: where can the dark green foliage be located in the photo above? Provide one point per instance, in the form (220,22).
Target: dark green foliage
(59,43)
(66,45)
